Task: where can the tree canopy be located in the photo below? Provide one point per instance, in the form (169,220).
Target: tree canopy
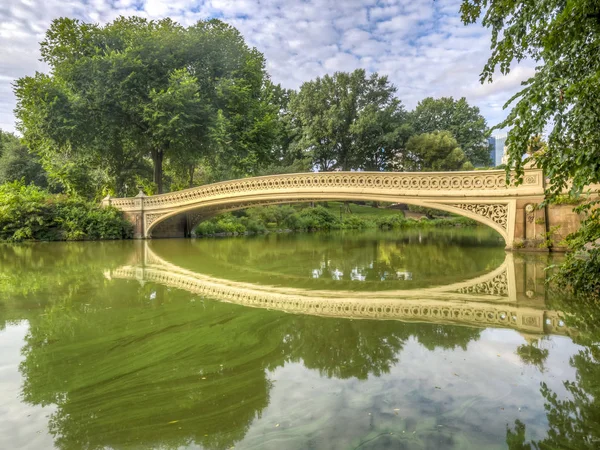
(153,105)
(350,121)
(18,163)
(134,89)
(562,97)
(437,151)
(465,122)
(561,100)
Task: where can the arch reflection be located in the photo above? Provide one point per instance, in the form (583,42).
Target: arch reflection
(498,298)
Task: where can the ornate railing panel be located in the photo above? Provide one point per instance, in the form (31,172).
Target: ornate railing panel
(402,183)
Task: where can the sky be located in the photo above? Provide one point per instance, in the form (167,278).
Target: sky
(421,45)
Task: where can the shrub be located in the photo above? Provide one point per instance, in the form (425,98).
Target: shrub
(230,225)
(318,218)
(254,226)
(454,222)
(391,222)
(293,222)
(206,228)
(356,223)
(30,213)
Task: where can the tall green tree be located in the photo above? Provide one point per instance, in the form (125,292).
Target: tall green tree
(135,89)
(349,121)
(464,121)
(437,151)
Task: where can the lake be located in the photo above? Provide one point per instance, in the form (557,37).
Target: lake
(418,339)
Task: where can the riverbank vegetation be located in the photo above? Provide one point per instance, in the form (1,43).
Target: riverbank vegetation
(28,212)
(322,217)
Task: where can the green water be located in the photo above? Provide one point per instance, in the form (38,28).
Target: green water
(414,340)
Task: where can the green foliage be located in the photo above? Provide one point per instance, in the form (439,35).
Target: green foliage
(580,270)
(563,38)
(270,214)
(17,163)
(206,228)
(305,218)
(463,121)
(455,222)
(566,199)
(134,90)
(356,223)
(548,237)
(30,213)
(350,121)
(311,219)
(437,151)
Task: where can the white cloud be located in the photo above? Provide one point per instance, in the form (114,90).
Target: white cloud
(421,45)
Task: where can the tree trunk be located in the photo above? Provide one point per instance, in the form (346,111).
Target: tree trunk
(119,187)
(191,173)
(157,158)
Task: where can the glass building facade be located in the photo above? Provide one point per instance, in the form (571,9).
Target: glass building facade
(497,149)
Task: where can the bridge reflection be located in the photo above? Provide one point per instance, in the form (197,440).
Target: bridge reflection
(511,296)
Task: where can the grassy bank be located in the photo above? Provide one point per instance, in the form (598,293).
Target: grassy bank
(327,216)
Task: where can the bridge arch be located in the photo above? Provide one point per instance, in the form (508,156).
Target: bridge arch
(193,215)
(480,195)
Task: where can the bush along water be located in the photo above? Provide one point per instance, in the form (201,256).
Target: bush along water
(287,218)
(31,213)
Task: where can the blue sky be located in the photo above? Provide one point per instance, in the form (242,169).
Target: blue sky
(420,44)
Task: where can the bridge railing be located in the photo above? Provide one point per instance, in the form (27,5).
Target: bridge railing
(489,183)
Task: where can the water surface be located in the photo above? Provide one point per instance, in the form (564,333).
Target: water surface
(417,340)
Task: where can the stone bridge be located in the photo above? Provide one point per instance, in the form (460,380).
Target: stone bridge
(510,296)
(482,195)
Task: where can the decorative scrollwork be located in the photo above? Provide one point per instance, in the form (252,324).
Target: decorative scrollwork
(496,212)
(394,182)
(496,286)
(305,302)
(151,218)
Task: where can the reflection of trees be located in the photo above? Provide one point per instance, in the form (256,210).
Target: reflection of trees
(168,373)
(158,370)
(30,272)
(150,372)
(532,354)
(130,365)
(573,421)
(345,348)
(147,366)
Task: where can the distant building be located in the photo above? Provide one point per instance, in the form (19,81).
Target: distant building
(500,150)
(492,147)
(497,145)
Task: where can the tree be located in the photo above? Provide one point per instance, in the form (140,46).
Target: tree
(136,89)
(437,151)
(561,99)
(465,123)
(17,163)
(563,38)
(349,121)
